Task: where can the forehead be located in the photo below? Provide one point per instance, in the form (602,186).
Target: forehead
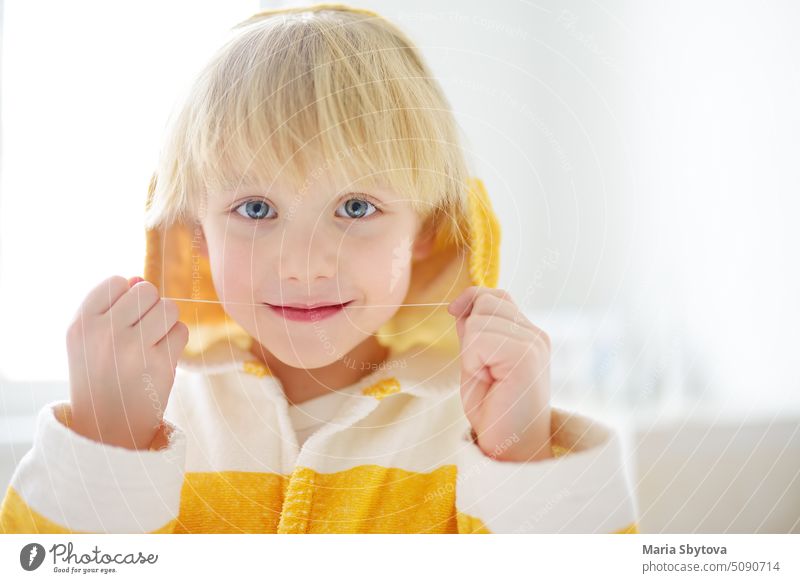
(316,184)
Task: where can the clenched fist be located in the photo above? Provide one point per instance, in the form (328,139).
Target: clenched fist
(123,347)
(505,375)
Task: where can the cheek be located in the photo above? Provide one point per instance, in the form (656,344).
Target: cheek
(385,269)
(233,268)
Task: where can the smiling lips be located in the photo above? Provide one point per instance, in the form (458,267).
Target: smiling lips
(308,314)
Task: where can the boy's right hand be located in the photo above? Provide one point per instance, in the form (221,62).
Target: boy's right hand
(123,347)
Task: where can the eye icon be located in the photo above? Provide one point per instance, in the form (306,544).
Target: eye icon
(31,556)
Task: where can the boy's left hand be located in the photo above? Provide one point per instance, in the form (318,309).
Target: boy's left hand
(505,375)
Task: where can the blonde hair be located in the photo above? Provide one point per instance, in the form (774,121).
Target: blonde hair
(294,86)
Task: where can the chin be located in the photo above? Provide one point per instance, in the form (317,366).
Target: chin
(304,355)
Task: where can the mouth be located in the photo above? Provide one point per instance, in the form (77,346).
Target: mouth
(308,314)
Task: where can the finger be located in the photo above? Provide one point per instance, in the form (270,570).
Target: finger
(104,295)
(478,356)
(463,306)
(463,303)
(155,324)
(500,303)
(174,342)
(481,323)
(494,304)
(134,304)
(457,309)
(500,354)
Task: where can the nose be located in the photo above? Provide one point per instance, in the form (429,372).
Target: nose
(307,253)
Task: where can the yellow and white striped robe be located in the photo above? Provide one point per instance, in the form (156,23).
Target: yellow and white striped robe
(397,460)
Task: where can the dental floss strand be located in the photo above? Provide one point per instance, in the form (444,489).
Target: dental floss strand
(250,304)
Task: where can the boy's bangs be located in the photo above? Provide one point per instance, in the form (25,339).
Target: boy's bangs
(268,129)
(261,157)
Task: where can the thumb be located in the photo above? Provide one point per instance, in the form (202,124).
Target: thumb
(456,307)
(460,308)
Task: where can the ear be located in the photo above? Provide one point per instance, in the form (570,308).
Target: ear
(423,244)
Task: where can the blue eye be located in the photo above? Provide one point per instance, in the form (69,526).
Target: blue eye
(254,209)
(359,209)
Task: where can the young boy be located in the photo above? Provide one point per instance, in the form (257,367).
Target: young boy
(291,365)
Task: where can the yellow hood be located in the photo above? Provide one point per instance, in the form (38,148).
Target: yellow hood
(179,270)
